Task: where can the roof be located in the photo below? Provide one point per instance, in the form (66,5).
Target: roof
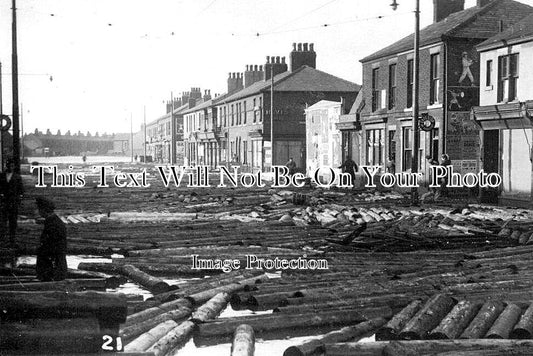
(204,104)
(324,104)
(519,32)
(474,22)
(304,78)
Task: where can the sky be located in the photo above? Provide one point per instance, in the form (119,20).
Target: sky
(99,65)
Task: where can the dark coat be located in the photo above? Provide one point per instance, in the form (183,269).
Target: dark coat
(349,166)
(51,254)
(11,190)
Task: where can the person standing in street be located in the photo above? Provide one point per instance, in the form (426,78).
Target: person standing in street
(291,165)
(51,254)
(445,161)
(350,167)
(11,190)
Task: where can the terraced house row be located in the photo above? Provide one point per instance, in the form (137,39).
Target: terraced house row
(235,127)
(453,76)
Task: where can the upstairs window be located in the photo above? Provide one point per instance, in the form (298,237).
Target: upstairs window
(376,104)
(410,79)
(488,77)
(392,86)
(508,77)
(434,79)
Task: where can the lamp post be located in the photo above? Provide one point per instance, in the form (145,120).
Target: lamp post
(416,138)
(15,85)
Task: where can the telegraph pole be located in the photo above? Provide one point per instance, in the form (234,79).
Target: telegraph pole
(172,131)
(131,136)
(14,77)
(144,120)
(416,75)
(272,113)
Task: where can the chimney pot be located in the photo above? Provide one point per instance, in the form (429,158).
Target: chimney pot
(277,59)
(255,68)
(268,59)
(294,46)
(261,68)
(311,45)
(305,47)
(283,60)
(299,47)
(247,67)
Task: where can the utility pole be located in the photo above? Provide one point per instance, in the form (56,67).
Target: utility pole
(14,77)
(416,75)
(144,121)
(172,131)
(131,136)
(272,113)
(22,131)
(1,133)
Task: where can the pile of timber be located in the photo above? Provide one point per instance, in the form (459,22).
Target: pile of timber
(170,322)
(442,317)
(60,322)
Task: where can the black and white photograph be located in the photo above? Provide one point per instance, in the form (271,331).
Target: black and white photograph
(266,177)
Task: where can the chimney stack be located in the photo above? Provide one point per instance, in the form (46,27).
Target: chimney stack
(253,73)
(207,95)
(275,64)
(235,82)
(444,8)
(302,54)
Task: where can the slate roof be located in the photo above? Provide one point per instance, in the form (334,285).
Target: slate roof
(519,32)
(303,79)
(205,104)
(474,22)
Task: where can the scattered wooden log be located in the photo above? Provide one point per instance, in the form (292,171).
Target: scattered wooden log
(135,329)
(154,284)
(316,345)
(243,341)
(149,338)
(427,318)
(153,312)
(211,309)
(456,321)
(175,337)
(77,335)
(391,330)
(70,285)
(22,305)
(505,323)
(524,328)
(427,347)
(277,322)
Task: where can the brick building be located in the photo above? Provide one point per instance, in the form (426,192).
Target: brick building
(449,87)
(242,124)
(506,110)
(159,131)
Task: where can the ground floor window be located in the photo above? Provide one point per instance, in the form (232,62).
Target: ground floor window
(407,146)
(257,154)
(374,147)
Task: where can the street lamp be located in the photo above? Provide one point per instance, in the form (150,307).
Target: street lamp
(416,138)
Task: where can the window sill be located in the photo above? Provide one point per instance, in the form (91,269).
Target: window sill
(489,87)
(408,109)
(435,106)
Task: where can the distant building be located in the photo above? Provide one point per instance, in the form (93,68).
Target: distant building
(323,139)
(506,110)
(39,144)
(449,87)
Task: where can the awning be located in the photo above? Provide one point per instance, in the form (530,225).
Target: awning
(504,116)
